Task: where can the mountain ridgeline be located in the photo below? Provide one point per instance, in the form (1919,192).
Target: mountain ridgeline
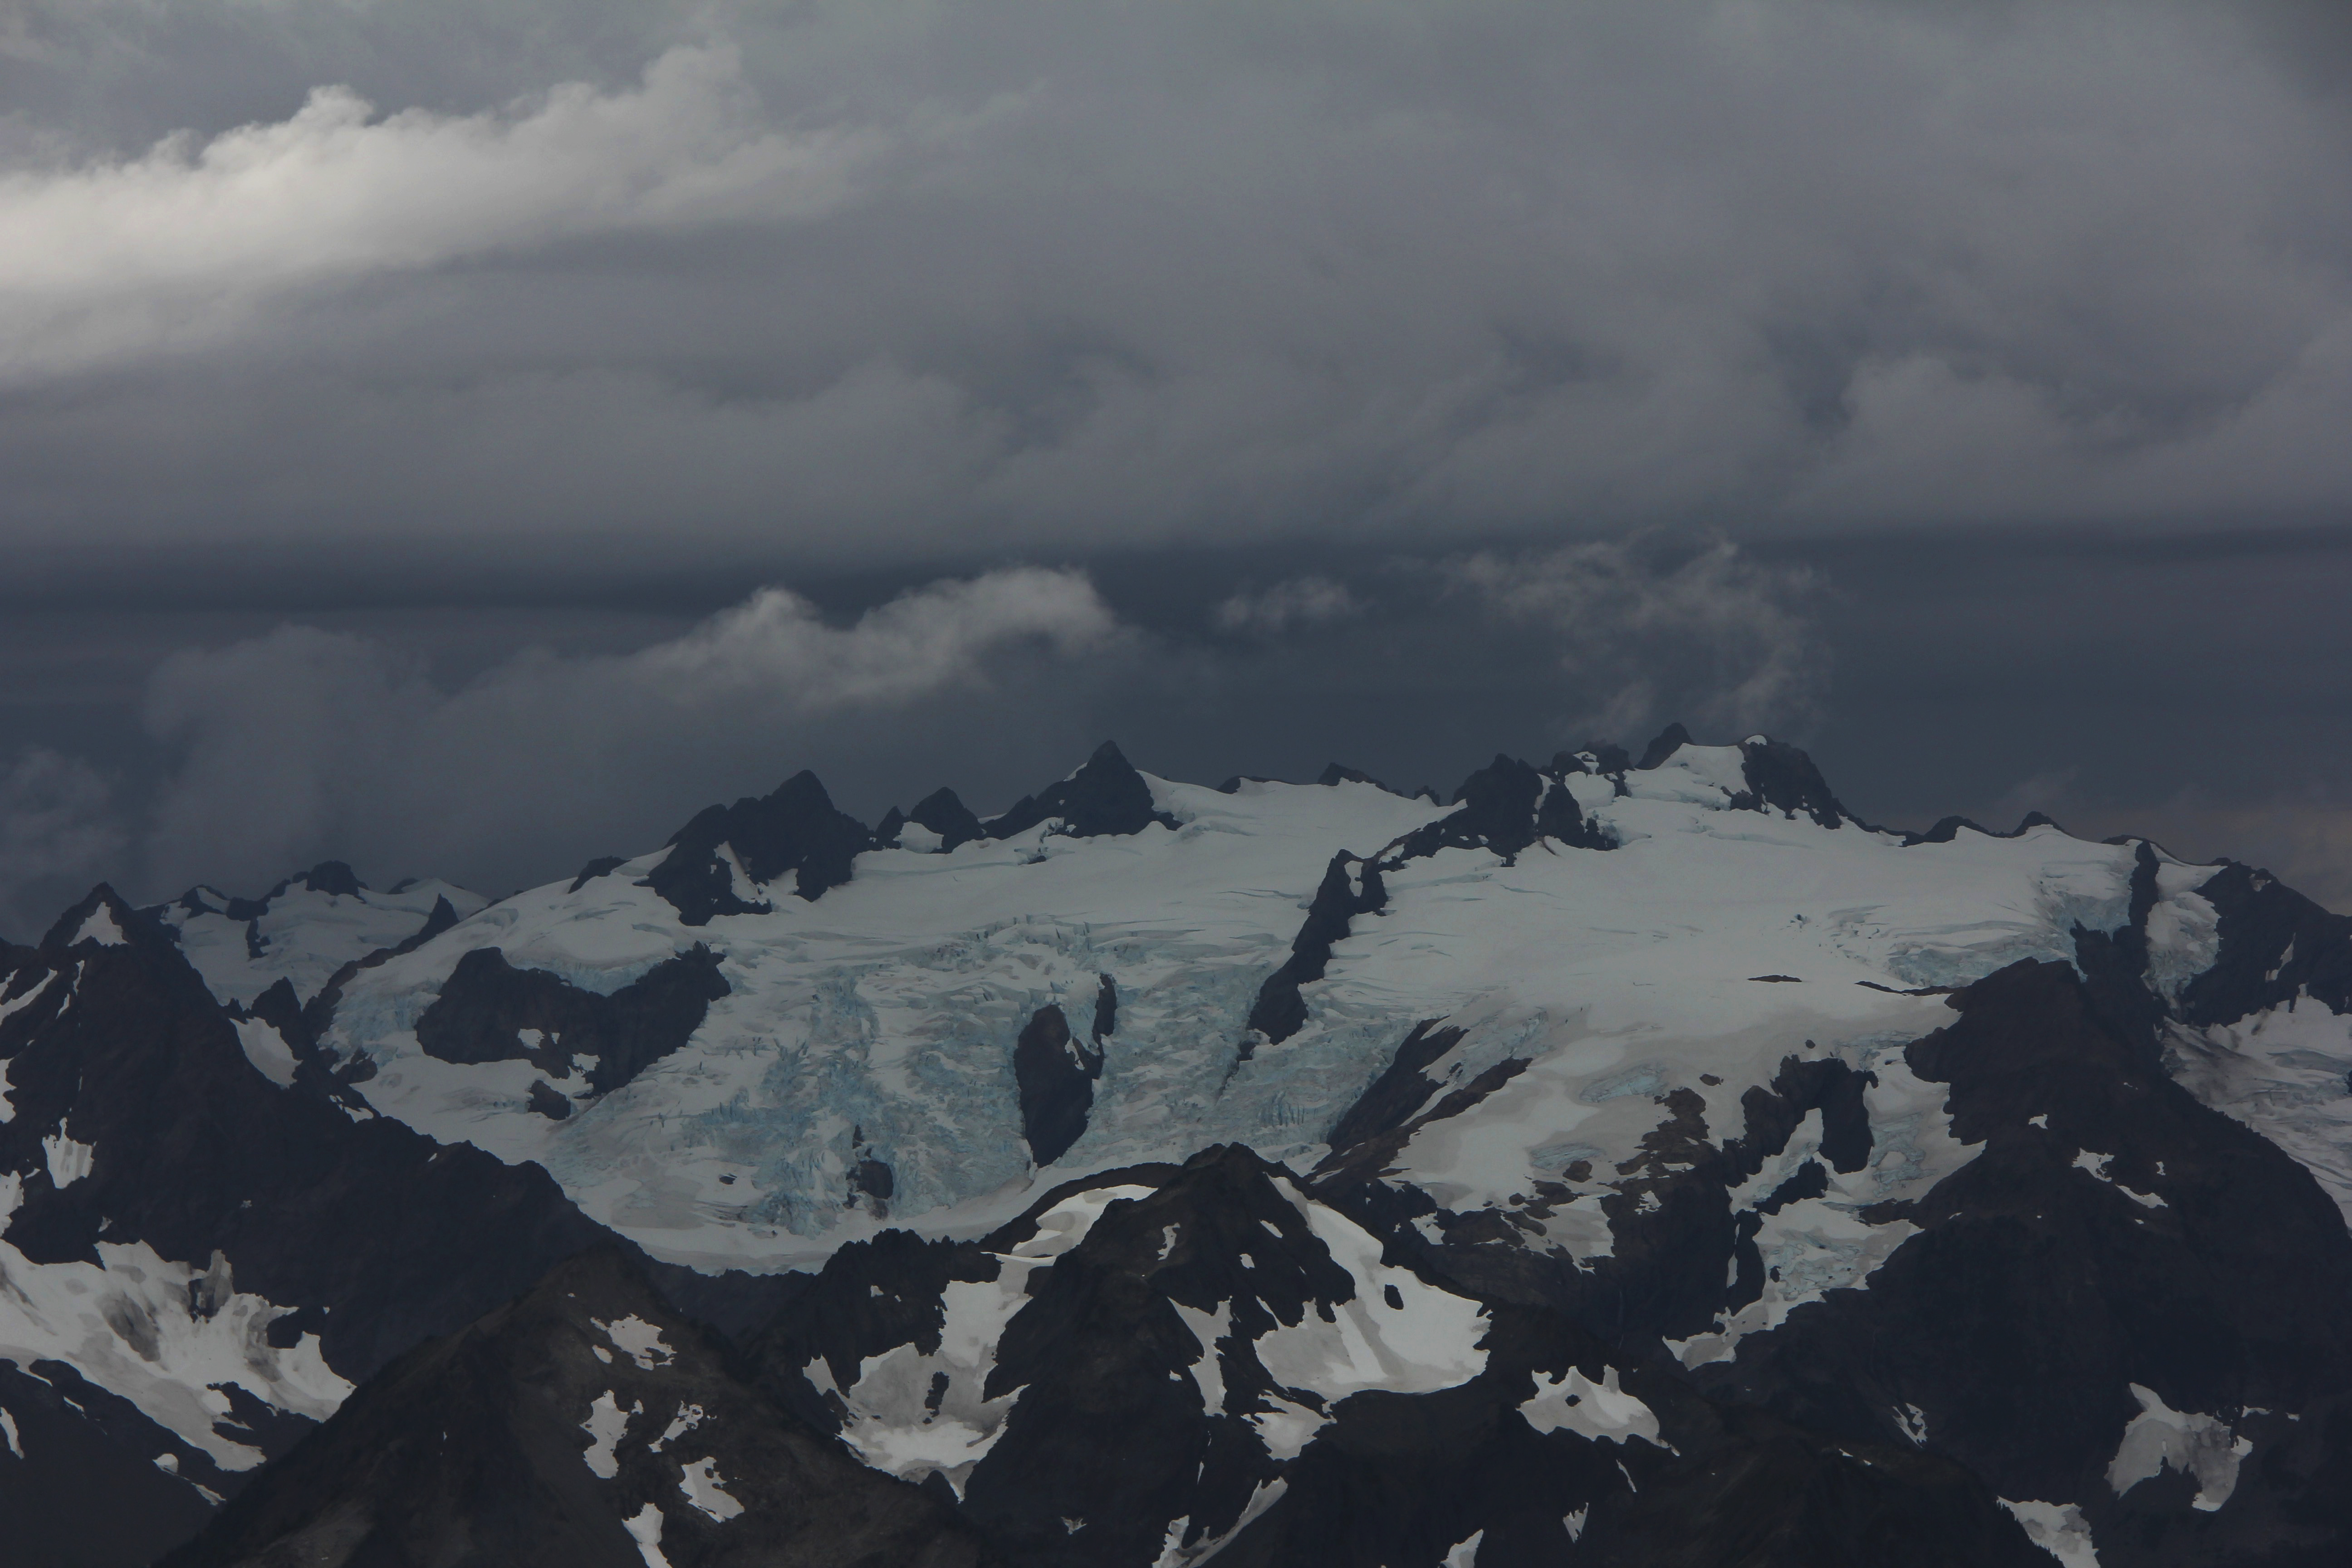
(1619,1162)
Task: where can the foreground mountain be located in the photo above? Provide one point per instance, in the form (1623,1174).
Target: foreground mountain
(582,1426)
(208,1242)
(1621,1162)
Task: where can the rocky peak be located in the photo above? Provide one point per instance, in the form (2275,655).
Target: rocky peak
(1105,797)
(797,828)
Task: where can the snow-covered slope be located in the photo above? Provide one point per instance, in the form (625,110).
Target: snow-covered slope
(876,1025)
(303,929)
(1685,1153)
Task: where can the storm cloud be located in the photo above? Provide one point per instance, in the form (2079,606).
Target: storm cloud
(891,283)
(467,435)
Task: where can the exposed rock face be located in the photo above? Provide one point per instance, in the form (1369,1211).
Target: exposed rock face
(718,860)
(949,818)
(487,1007)
(1669,741)
(140,1129)
(2276,945)
(1105,797)
(1167,1377)
(1507,807)
(1783,779)
(2112,1231)
(584,1426)
(1770,1189)
(378,1234)
(602,866)
(1056,1075)
(1350,887)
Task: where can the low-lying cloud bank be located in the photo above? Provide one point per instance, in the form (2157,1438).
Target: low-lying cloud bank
(277,749)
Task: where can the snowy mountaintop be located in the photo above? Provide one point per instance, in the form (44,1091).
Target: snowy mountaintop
(1618,936)
(303,929)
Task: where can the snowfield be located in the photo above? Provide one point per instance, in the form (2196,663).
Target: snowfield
(876,1023)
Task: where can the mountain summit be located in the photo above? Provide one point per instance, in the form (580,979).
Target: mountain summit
(1609,1160)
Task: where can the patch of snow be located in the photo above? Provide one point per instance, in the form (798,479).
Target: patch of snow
(2282,1072)
(267,1049)
(1913,1422)
(1574,1523)
(637,1340)
(705,1490)
(893,1422)
(688,1418)
(1814,1246)
(1600,1412)
(68,1161)
(1286,1426)
(646,1529)
(1465,1554)
(2184,937)
(1208,1372)
(2097,1164)
(1173,1554)
(1431,1342)
(1171,1542)
(2058,1529)
(606,1422)
(100,928)
(129,1324)
(8,1431)
(2161,1436)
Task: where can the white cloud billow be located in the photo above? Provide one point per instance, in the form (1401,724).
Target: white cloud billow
(147,253)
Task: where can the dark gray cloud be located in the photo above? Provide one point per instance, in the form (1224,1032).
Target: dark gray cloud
(395,397)
(894,282)
(2197,691)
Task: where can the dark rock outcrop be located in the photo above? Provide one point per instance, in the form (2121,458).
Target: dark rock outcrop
(795,829)
(1119,1444)
(1339,774)
(2276,945)
(1783,779)
(1669,741)
(945,815)
(2111,1231)
(1106,797)
(1055,1076)
(1506,807)
(377,1234)
(1350,887)
(486,1003)
(602,866)
(332,876)
(583,1426)
(86,1477)
(1106,1008)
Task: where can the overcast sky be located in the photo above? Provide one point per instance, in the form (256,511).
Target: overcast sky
(467,437)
